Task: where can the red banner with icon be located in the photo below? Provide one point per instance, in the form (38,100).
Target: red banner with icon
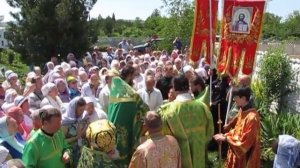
(241,30)
(201,36)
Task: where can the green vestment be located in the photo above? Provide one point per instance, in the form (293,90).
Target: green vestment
(204,96)
(126,110)
(94,159)
(44,151)
(191,123)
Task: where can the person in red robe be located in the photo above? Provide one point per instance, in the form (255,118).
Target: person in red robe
(244,138)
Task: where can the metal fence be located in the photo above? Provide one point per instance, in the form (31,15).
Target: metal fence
(114,41)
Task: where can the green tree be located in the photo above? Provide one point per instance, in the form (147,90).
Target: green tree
(272,26)
(50,27)
(292,26)
(179,23)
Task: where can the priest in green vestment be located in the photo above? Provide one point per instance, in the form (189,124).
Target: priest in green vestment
(190,122)
(126,110)
(47,148)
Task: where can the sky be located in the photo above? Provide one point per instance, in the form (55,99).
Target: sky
(130,9)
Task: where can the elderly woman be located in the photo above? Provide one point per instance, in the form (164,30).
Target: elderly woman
(13,83)
(63,91)
(50,67)
(91,112)
(8,130)
(50,94)
(27,125)
(56,73)
(17,114)
(73,87)
(73,126)
(10,96)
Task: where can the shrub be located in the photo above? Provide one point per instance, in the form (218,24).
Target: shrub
(276,76)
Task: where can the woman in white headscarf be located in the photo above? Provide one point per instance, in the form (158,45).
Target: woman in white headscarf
(50,67)
(13,83)
(74,126)
(56,73)
(8,129)
(92,113)
(50,94)
(10,96)
(63,90)
(30,83)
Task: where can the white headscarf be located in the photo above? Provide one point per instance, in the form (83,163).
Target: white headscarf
(9,95)
(70,116)
(47,88)
(50,67)
(7,73)
(11,75)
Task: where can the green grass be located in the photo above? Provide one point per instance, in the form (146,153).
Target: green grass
(213,162)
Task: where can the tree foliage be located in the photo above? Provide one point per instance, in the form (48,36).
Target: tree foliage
(49,27)
(275,28)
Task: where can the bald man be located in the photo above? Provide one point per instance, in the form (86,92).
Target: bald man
(159,150)
(150,95)
(244,80)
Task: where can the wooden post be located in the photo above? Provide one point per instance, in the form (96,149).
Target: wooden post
(220,131)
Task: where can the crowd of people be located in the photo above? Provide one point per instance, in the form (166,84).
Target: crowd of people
(122,108)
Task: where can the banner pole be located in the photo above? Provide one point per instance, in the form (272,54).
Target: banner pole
(211,51)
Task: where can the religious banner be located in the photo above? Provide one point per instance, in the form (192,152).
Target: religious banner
(241,29)
(201,33)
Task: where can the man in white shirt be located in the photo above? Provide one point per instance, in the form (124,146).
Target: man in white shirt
(138,81)
(104,94)
(150,95)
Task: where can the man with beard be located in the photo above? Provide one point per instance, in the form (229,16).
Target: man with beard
(199,89)
(128,74)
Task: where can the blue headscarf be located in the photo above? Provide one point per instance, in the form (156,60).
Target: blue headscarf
(6,138)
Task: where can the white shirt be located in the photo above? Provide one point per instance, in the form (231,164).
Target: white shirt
(139,82)
(86,91)
(154,99)
(104,98)
(184,97)
(97,115)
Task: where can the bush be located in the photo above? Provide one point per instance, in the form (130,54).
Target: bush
(12,60)
(276,76)
(275,80)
